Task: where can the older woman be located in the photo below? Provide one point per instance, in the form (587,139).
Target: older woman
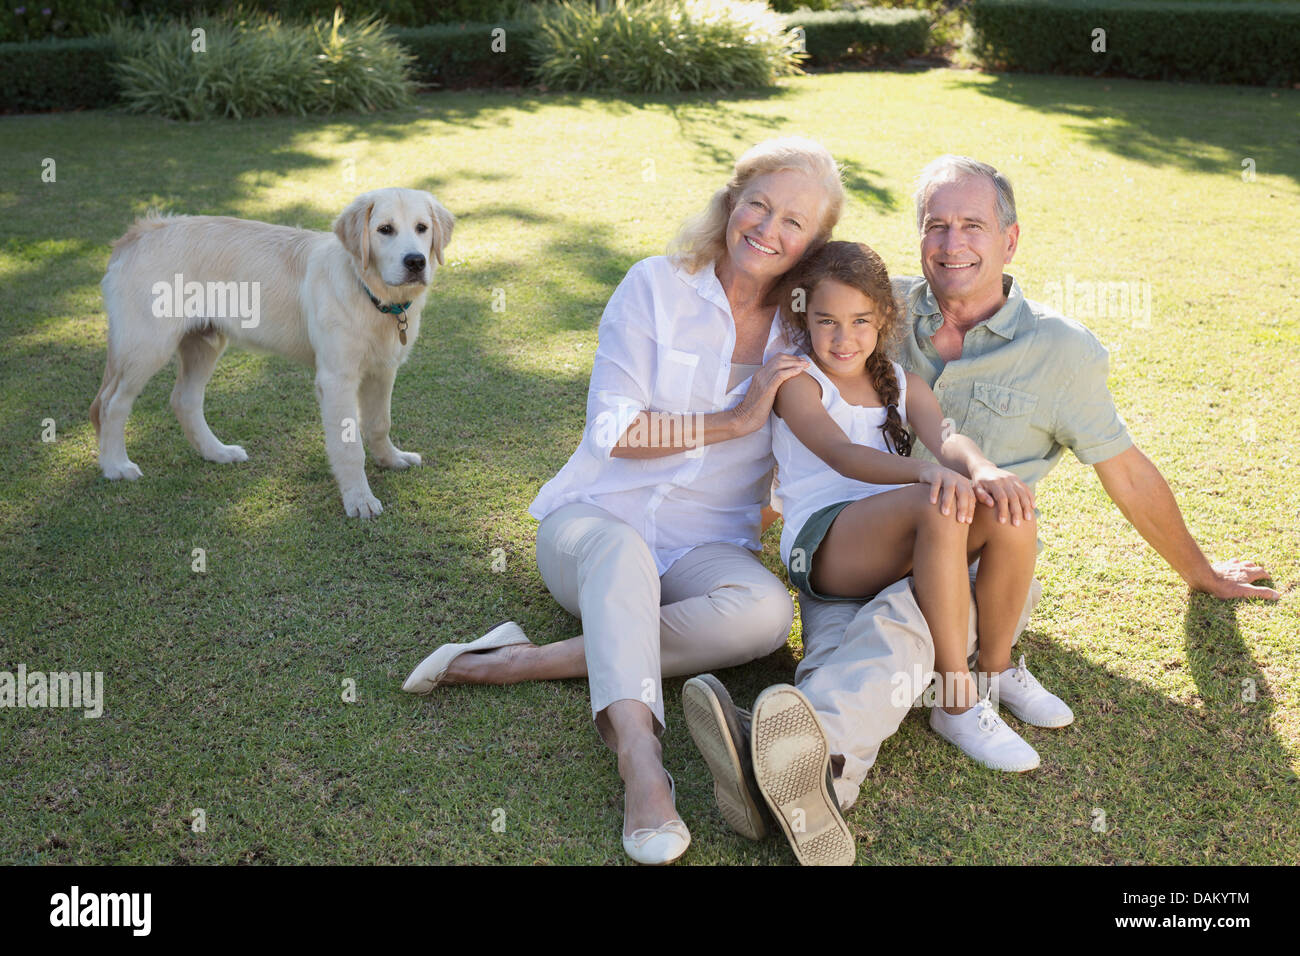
(650,532)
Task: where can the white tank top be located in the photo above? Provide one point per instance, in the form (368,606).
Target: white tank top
(808,484)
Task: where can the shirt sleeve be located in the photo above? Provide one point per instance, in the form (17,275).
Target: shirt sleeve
(622,373)
(1087,421)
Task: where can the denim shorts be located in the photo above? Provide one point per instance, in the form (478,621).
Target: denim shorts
(805,546)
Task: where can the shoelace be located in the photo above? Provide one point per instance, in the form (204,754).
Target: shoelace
(988,719)
(1022,675)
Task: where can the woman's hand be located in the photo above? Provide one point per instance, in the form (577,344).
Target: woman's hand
(951,491)
(1004,491)
(755,407)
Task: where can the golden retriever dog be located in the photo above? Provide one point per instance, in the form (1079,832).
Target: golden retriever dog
(346,302)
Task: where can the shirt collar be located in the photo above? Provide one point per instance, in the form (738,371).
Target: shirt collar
(706,284)
(709,287)
(1003,322)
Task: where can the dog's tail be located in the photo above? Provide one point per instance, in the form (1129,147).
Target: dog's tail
(98,403)
(151,220)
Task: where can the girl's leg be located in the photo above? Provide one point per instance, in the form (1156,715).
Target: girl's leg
(879,540)
(1007,555)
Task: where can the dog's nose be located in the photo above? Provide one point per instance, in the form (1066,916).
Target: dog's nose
(414,261)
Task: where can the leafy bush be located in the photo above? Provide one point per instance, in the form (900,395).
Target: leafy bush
(791,6)
(662,46)
(257,65)
(57,75)
(73,18)
(463,54)
(879,36)
(1256,43)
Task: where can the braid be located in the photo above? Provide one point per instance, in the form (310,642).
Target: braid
(885,382)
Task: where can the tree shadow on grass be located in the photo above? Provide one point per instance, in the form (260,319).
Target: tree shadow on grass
(1187,127)
(1137,778)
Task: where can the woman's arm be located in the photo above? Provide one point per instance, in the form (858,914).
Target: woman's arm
(992,485)
(654,434)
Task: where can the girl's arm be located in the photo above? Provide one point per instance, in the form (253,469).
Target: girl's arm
(798,403)
(993,486)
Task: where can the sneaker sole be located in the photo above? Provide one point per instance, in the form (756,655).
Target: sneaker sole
(713,728)
(792,765)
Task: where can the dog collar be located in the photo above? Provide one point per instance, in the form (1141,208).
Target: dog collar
(397,309)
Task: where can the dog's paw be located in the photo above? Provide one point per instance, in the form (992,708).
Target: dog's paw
(402,459)
(361,504)
(127,469)
(225,454)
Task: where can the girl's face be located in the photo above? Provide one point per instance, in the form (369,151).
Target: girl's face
(843,327)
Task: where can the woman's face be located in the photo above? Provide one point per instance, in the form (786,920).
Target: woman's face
(775,218)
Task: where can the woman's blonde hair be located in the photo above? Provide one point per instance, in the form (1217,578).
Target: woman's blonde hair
(703,238)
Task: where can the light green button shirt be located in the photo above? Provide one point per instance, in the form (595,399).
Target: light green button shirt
(1029,384)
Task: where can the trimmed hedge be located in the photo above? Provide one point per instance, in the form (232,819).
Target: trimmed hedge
(57,75)
(877,35)
(462,55)
(1252,43)
(74,18)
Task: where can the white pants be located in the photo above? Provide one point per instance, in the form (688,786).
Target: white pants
(865,664)
(716,607)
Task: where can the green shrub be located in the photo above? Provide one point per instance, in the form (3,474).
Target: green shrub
(662,46)
(25,22)
(57,75)
(879,36)
(461,55)
(1256,43)
(73,18)
(790,6)
(257,65)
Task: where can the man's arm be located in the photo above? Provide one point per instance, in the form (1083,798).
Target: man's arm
(1143,495)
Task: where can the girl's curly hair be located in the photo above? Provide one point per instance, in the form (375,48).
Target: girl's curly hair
(856,265)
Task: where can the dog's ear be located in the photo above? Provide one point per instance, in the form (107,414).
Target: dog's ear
(443,221)
(353,229)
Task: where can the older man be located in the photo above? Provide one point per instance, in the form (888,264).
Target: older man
(1025,384)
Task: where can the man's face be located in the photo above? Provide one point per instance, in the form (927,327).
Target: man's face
(963,249)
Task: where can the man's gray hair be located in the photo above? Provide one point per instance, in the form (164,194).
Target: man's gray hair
(947,169)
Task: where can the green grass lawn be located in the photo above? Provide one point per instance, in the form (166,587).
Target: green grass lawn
(224,689)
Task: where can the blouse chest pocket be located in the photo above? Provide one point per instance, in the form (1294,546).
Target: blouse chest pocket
(675,380)
(999,422)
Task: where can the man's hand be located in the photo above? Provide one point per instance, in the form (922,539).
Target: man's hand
(1004,491)
(1143,495)
(1232,580)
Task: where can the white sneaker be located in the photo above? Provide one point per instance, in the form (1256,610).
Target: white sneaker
(981,734)
(1021,693)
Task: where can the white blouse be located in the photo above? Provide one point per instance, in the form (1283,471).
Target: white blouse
(808,484)
(665,344)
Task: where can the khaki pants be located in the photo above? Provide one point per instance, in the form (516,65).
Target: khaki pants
(716,607)
(865,665)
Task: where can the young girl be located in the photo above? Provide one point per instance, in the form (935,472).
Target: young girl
(860,513)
